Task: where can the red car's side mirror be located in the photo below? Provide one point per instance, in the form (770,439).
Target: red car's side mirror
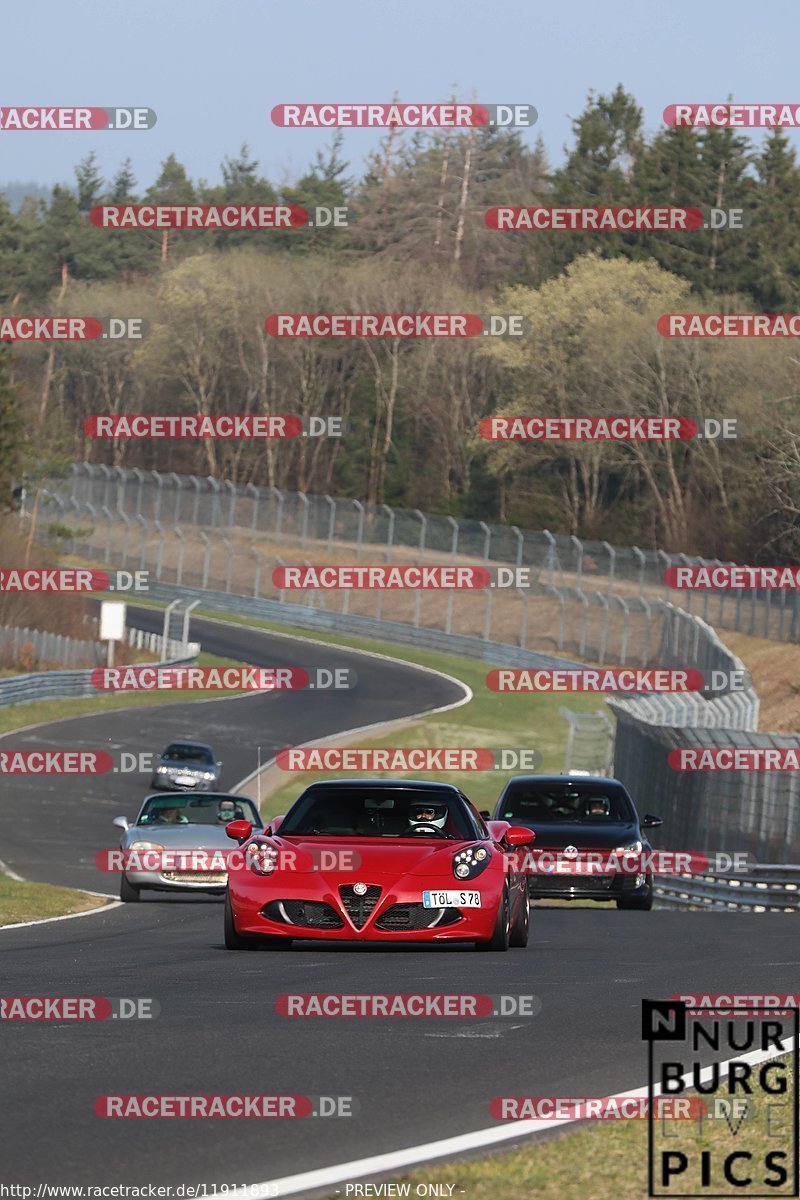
(518,835)
(239,830)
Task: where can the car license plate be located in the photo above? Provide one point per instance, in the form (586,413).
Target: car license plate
(185,780)
(451,899)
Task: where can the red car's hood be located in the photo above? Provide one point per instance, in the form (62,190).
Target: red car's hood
(372,856)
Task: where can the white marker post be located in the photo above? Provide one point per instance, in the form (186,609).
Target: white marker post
(112,625)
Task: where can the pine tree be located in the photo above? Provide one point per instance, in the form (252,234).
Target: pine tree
(90,182)
(12,433)
(773,235)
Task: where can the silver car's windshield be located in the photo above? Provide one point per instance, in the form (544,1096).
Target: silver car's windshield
(197,810)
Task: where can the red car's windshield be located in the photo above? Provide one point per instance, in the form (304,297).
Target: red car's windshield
(377,812)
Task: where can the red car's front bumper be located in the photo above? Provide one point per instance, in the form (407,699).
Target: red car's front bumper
(250,894)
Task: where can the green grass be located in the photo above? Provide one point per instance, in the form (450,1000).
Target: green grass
(607,1160)
(19,716)
(36,901)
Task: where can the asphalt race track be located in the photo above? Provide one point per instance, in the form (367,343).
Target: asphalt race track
(413,1080)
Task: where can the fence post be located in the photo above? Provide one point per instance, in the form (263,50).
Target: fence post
(143,550)
(551,546)
(278,530)
(181,552)
(642,563)
(215,487)
(252,490)
(390,534)
(454,540)
(205,538)
(487,540)
(229,563)
(304,528)
(423,529)
(231,487)
(578,544)
(612,562)
(331,519)
(195,482)
(665,558)
(257,580)
(523,624)
(520,544)
(359,507)
(160,556)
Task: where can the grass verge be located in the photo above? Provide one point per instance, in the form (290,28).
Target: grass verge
(609,1159)
(23,901)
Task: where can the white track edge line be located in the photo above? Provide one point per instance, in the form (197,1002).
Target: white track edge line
(393,1160)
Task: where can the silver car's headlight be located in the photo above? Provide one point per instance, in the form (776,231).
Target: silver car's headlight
(145,846)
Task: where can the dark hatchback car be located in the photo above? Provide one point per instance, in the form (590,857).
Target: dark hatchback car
(186,766)
(573,817)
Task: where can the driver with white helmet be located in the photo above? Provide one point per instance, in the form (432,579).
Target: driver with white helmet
(424,814)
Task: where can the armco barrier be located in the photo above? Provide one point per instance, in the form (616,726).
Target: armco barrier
(772,887)
(63,685)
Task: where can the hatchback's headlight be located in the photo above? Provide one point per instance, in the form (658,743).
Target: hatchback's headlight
(633,848)
(208,775)
(469,863)
(164,770)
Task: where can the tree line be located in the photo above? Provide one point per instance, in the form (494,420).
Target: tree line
(417,241)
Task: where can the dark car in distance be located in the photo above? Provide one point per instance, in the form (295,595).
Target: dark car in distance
(577,819)
(186,766)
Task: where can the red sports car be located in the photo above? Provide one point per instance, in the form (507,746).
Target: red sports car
(379,861)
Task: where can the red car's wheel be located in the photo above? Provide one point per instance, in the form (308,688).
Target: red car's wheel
(500,939)
(241,941)
(519,930)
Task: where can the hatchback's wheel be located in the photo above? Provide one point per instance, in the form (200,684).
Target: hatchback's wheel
(641,903)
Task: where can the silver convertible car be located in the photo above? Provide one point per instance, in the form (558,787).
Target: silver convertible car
(178,842)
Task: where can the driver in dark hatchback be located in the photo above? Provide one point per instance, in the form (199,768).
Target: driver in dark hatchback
(572,817)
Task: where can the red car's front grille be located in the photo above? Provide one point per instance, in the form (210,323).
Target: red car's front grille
(359,908)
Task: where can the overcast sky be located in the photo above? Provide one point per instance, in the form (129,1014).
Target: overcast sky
(213,69)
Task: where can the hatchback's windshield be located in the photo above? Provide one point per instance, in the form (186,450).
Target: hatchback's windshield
(376,812)
(198,810)
(559,802)
(186,752)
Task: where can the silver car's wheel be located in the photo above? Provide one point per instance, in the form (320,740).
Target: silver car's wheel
(127,893)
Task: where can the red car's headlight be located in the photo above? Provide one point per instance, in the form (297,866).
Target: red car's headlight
(469,863)
(261,858)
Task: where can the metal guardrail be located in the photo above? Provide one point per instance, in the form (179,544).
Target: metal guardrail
(767,887)
(63,685)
